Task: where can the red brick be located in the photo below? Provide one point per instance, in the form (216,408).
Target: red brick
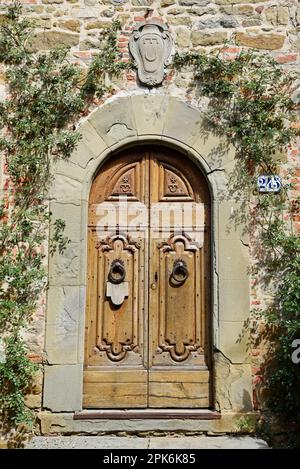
(286,58)
(157,18)
(130,76)
(257,379)
(255,302)
(297,226)
(256,370)
(35,357)
(82,54)
(231,50)
(256,402)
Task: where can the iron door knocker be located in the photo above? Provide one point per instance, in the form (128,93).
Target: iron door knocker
(117,272)
(180,272)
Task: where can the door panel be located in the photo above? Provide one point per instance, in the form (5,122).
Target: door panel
(115,372)
(177,310)
(178,302)
(118,328)
(148,284)
(114,388)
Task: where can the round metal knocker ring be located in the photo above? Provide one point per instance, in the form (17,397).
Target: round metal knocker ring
(117,272)
(180,272)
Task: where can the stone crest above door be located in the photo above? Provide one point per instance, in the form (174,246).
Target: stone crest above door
(150,45)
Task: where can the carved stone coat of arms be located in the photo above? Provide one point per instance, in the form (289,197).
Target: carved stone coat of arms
(150,45)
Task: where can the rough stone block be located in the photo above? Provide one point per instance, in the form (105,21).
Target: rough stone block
(277,15)
(233,340)
(69,169)
(167,3)
(71,25)
(33,401)
(233,385)
(62,325)
(97,25)
(71,214)
(52,423)
(228,225)
(62,388)
(241,388)
(234,299)
(90,146)
(115,121)
(64,269)
(234,2)
(65,190)
(179,20)
(233,259)
(216,150)
(183,36)
(149,113)
(182,123)
(208,39)
(260,41)
(188,3)
(48,40)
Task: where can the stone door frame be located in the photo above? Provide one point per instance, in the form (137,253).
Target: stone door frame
(125,121)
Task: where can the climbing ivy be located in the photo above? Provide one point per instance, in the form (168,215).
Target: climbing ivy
(250,102)
(46,94)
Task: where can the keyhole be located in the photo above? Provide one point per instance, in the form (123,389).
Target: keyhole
(155,277)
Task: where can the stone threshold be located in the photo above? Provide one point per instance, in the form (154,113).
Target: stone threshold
(141,414)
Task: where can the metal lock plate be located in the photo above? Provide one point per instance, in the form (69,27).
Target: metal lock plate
(117,292)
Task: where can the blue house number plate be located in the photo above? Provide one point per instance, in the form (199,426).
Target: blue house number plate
(269,183)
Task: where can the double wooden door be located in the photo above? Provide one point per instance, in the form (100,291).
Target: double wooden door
(147,324)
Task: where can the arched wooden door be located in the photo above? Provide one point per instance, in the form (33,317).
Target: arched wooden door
(147,325)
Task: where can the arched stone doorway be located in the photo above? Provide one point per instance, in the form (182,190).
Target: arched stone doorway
(147,341)
(125,122)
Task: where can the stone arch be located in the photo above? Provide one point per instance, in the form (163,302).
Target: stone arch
(129,121)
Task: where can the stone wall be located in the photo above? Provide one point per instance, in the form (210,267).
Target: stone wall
(195,24)
(200,25)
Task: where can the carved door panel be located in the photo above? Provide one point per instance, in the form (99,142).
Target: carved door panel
(148,284)
(179,250)
(115,373)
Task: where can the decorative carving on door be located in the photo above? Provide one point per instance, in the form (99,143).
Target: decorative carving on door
(150,45)
(174,185)
(125,184)
(118,324)
(179,325)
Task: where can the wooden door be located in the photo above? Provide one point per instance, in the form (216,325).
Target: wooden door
(147,324)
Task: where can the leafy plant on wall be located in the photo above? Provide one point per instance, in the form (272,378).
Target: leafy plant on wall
(46,94)
(250,102)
